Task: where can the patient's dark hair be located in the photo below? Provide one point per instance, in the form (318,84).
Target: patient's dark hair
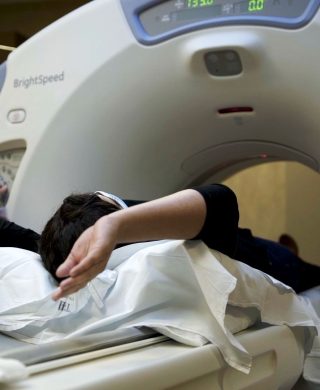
(75,215)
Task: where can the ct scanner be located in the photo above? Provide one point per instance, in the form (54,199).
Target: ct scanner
(102,98)
(145,97)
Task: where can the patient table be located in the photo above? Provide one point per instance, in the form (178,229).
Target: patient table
(145,97)
(157,363)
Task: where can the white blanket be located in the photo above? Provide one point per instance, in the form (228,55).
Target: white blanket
(179,288)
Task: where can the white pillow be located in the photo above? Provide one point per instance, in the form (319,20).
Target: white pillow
(26,288)
(23,278)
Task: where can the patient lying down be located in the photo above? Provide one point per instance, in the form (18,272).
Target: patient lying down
(78,240)
(181,289)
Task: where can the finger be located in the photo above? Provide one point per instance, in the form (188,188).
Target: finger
(57,294)
(65,268)
(74,284)
(78,251)
(68,288)
(61,293)
(81,280)
(92,264)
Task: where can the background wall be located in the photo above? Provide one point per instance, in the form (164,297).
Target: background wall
(281,197)
(20,19)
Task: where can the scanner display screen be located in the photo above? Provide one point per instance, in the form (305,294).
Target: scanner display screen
(175,14)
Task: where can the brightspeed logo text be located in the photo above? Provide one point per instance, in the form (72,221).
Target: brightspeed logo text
(39,80)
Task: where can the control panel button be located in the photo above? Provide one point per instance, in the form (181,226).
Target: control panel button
(16,116)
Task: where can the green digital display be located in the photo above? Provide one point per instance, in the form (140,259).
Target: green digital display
(255,5)
(252,5)
(173,16)
(199,3)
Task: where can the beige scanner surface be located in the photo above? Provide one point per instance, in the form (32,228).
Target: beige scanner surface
(277,363)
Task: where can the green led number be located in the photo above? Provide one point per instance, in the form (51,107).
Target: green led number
(255,5)
(199,3)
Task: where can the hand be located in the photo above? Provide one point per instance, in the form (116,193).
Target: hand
(88,257)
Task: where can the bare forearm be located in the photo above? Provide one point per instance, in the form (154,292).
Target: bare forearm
(177,216)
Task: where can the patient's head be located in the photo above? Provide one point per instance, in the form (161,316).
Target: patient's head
(76,214)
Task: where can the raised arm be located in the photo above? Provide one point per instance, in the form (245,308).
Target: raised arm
(177,216)
(208,213)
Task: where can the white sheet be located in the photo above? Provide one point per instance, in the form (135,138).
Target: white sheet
(311,371)
(179,288)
